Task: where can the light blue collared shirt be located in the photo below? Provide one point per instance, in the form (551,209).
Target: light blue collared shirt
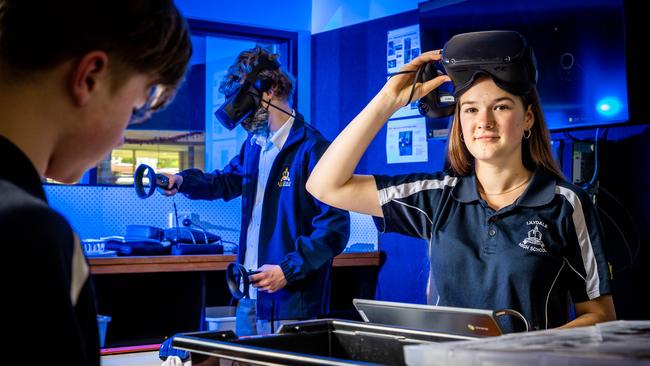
(271,147)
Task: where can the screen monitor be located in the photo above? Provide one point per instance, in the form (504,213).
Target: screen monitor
(443,319)
(580,48)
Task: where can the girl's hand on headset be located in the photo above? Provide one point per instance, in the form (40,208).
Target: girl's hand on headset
(398,87)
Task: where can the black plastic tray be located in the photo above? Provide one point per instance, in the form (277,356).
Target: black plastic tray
(315,342)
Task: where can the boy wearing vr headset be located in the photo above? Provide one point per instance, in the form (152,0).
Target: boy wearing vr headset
(505,230)
(286,234)
(71,78)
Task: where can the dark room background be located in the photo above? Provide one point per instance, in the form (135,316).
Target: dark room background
(348,68)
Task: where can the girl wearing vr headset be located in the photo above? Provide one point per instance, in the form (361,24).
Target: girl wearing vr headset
(505,230)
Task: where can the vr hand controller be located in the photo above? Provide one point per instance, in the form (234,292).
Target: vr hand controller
(144,177)
(440,102)
(236,276)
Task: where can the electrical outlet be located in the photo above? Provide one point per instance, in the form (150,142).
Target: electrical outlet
(583,162)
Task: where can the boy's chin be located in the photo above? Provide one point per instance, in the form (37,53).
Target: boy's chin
(65,177)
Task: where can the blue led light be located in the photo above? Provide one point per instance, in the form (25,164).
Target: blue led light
(609,106)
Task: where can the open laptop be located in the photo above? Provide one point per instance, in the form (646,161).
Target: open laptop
(443,319)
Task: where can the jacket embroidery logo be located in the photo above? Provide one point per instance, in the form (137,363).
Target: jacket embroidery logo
(534,242)
(285,181)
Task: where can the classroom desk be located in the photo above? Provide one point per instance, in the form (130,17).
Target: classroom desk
(150,298)
(193,263)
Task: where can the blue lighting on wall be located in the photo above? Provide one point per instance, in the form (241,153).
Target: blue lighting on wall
(609,106)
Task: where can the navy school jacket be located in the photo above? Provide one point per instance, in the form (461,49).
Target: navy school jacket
(299,233)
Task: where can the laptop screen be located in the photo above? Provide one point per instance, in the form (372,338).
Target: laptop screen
(450,320)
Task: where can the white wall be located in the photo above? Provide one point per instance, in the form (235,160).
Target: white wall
(288,15)
(294,15)
(331,14)
(306,17)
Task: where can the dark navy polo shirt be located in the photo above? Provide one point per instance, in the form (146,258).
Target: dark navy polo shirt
(45,274)
(534,256)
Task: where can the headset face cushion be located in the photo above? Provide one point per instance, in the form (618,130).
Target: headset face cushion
(242,100)
(503,55)
(241,103)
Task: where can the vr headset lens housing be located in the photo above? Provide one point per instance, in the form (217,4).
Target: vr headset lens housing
(503,55)
(243,101)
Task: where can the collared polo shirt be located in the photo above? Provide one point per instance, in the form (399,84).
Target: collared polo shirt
(45,267)
(532,256)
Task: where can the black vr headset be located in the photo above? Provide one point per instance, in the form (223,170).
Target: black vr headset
(503,55)
(244,100)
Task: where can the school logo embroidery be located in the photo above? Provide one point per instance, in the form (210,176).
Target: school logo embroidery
(534,242)
(285,181)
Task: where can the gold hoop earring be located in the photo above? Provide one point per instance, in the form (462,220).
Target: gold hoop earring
(530,132)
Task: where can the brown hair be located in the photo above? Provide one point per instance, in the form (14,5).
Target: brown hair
(535,151)
(279,80)
(142,36)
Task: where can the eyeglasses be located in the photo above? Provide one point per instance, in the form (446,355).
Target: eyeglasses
(157,98)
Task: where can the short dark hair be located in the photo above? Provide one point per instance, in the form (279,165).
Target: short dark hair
(144,36)
(279,80)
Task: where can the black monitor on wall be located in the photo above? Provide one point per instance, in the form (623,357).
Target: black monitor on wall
(580,48)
